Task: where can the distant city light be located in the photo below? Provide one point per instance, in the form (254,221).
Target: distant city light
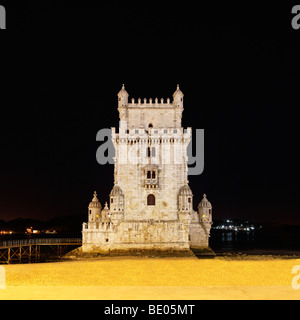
(3,232)
(236,226)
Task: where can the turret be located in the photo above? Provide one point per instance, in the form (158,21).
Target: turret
(94,209)
(105,214)
(117,204)
(205,210)
(178,97)
(185,199)
(123,97)
(185,204)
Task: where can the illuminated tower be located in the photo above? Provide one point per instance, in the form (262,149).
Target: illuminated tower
(151,203)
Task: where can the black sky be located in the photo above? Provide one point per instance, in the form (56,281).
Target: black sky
(64,62)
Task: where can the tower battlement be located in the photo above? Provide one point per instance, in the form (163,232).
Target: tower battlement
(158,103)
(150,113)
(151,133)
(176,103)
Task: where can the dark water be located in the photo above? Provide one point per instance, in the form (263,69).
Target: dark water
(281,242)
(255,242)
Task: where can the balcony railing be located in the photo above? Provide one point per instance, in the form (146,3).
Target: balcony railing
(151,181)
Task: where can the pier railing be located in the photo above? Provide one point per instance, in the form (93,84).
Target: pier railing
(39,241)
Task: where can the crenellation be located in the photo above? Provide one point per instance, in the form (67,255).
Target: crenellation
(150,104)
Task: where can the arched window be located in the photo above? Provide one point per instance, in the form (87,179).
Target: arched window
(148,152)
(153,152)
(150,125)
(151,200)
(153,175)
(148,174)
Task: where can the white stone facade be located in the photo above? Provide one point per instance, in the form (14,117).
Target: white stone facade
(151,204)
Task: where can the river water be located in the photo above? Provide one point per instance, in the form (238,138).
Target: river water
(224,242)
(255,242)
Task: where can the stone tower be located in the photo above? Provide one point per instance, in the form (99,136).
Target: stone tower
(94,210)
(151,203)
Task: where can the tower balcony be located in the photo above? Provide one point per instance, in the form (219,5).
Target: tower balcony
(151,183)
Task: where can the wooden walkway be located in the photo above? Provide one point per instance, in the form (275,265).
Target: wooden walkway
(29,250)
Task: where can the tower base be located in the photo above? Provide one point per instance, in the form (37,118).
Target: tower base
(79,254)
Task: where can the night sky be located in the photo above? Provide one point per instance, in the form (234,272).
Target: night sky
(63,63)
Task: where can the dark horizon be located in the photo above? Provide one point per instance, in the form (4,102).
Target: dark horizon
(240,75)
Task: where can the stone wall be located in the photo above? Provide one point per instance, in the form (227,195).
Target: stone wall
(133,234)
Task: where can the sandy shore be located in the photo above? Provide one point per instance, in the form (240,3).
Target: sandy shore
(154,278)
(150,293)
